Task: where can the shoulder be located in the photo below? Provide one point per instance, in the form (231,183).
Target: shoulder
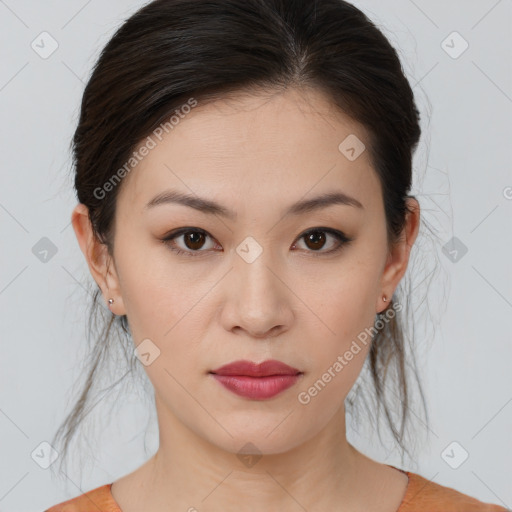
(97,500)
(423,495)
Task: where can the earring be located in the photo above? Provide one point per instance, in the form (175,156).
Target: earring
(111,301)
(385,300)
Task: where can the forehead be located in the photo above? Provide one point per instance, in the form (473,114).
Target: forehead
(269,146)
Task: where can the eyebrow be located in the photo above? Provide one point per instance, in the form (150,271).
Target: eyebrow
(211,207)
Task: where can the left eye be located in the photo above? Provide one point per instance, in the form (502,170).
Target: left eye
(316,237)
(194,238)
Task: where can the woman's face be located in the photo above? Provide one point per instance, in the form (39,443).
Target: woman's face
(254,284)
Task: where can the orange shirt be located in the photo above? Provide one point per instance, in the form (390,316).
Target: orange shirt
(421,495)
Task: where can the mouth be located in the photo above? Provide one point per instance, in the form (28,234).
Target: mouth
(257,381)
(270,367)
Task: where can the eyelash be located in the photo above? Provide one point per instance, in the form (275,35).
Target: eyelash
(339,235)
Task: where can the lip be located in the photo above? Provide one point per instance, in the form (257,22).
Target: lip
(250,369)
(257,381)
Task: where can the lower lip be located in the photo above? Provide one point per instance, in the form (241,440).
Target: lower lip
(257,388)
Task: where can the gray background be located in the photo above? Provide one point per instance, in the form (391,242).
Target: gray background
(463,181)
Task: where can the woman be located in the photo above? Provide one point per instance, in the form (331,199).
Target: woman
(243,171)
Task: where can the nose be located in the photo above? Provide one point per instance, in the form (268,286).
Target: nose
(257,299)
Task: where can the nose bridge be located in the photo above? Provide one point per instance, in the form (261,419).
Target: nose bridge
(252,270)
(259,299)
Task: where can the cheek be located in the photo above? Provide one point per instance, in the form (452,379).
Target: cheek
(341,328)
(168,306)
(156,295)
(343,298)
(338,358)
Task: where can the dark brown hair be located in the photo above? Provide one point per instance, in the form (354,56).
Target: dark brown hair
(172,50)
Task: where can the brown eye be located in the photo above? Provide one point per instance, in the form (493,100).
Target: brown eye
(192,244)
(194,239)
(315,239)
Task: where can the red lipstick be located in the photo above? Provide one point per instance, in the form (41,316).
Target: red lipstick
(257,381)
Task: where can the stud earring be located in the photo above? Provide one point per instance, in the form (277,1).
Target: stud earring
(111,301)
(385,300)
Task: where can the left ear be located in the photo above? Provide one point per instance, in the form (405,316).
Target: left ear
(398,257)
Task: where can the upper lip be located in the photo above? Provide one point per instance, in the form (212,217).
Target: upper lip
(250,369)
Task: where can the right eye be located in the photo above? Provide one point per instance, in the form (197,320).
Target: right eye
(193,239)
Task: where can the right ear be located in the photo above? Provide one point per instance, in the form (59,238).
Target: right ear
(98,259)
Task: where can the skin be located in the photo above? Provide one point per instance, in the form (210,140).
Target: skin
(254,154)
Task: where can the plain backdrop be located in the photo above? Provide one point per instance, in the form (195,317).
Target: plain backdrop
(457,55)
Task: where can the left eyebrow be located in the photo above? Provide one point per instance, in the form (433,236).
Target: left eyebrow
(323,201)
(212,208)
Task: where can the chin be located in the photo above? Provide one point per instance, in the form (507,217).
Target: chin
(256,437)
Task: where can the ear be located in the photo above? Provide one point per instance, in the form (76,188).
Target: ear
(100,262)
(398,257)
